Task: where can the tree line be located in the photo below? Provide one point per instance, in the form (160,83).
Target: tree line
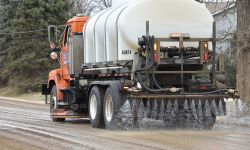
(24,50)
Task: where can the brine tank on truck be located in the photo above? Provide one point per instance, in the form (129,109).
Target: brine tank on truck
(139,63)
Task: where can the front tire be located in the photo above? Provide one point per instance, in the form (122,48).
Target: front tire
(54,106)
(95,107)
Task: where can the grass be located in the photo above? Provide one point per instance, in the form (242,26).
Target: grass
(31,96)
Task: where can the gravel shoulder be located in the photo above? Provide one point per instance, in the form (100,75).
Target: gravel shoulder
(22,100)
(13,144)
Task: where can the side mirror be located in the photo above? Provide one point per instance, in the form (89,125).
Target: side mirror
(54,56)
(52,33)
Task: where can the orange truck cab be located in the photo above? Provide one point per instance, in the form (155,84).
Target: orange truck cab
(59,80)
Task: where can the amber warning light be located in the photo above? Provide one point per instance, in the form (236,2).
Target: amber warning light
(205,46)
(156,57)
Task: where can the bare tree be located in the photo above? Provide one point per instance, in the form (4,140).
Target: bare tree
(86,7)
(229,3)
(243,49)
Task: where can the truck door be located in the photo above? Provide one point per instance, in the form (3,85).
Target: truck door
(65,54)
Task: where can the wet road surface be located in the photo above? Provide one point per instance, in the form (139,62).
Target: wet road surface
(28,126)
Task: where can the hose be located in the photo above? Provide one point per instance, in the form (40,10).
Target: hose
(126,64)
(189,56)
(147,68)
(154,80)
(206,93)
(143,69)
(149,89)
(138,71)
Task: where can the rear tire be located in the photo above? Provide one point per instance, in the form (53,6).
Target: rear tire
(53,105)
(96,107)
(110,107)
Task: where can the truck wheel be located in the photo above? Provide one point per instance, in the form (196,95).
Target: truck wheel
(110,107)
(95,107)
(53,105)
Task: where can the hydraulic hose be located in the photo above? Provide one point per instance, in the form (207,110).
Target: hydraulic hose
(147,68)
(149,89)
(206,93)
(189,56)
(154,80)
(143,69)
(139,70)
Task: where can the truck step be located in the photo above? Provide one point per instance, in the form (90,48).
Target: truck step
(63,103)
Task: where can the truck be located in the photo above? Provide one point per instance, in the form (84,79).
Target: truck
(138,65)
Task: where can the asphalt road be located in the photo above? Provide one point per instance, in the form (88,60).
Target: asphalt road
(28,126)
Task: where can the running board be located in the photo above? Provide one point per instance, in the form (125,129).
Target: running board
(63,116)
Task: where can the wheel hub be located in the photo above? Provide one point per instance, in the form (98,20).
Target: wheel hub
(93,107)
(53,103)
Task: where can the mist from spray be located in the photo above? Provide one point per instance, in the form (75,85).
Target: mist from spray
(169,114)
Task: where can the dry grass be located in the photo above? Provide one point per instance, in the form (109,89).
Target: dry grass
(29,97)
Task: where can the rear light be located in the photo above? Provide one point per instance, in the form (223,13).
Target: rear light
(203,87)
(155,47)
(205,47)
(206,57)
(200,87)
(156,58)
(156,50)
(194,87)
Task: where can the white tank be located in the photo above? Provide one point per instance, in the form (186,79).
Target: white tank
(110,34)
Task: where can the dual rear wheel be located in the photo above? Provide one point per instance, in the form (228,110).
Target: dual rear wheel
(95,107)
(103,106)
